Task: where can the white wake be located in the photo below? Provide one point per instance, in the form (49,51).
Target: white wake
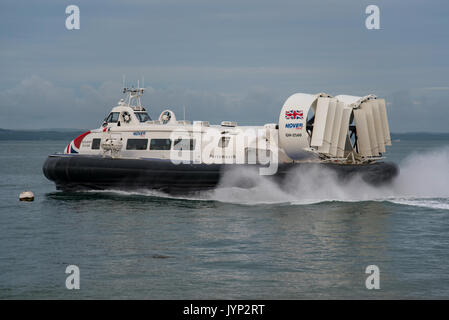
(423,181)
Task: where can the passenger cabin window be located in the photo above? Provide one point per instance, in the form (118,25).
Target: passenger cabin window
(96,144)
(137,144)
(223,142)
(184,144)
(160,144)
(113,117)
(142,116)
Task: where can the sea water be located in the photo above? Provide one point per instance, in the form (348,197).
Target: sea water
(312,238)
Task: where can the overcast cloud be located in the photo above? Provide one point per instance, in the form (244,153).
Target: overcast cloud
(222,60)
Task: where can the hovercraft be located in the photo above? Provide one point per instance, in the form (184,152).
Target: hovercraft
(345,134)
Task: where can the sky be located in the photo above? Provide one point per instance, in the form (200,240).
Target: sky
(220,59)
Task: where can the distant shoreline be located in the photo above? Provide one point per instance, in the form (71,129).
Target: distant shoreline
(70,134)
(55,134)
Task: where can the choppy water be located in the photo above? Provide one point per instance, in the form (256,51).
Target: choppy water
(312,241)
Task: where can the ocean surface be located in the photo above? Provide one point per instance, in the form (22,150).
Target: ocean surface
(312,241)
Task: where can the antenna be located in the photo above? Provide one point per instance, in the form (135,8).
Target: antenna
(123,82)
(184,112)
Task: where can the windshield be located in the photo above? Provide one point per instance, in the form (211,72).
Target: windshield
(142,116)
(113,117)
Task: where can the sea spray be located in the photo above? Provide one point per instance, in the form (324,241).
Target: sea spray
(422,176)
(423,181)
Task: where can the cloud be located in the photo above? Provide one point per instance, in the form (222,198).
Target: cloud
(38,103)
(221,59)
(419,109)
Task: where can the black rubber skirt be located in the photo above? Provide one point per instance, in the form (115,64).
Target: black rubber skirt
(83,172)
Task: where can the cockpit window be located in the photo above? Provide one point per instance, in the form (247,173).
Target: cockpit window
(113,117)
(142,116)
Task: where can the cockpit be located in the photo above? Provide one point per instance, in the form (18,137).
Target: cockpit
(112,118)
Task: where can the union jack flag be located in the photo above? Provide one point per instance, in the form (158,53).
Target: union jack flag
(294,114)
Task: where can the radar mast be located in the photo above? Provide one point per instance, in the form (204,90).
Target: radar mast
(133,96)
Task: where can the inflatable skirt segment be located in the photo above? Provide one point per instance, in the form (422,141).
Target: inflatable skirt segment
(81,172)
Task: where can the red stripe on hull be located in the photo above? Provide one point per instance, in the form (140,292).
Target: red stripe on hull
(77,141)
